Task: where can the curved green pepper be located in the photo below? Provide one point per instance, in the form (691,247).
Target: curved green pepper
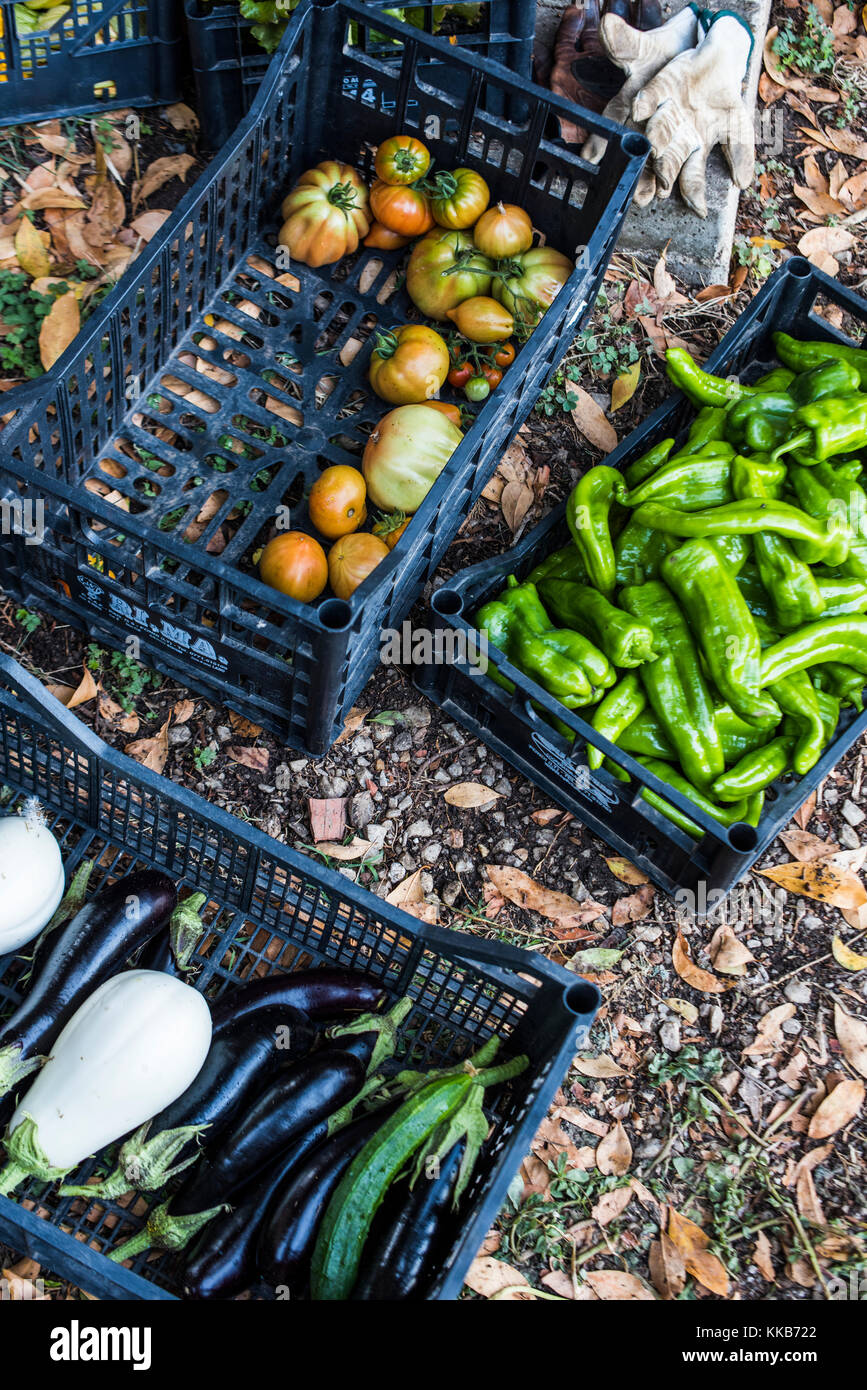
(624,641)
(726,815)
(737,736)
(639,552)
(614,713)
(675,685)
(496,619)
(777,379)
(646,736)
(565,563)
(834,495)
(833,377)
(760,422)
(751,517)
(830,707)
(755,770)
(691,483)
(802,356)
(642,468)
(832,639)
(797,698)
(699,386)
(588,514)
(786,578)
(835,425)
(724,628)
(844,682)
(557,656)
(706,430)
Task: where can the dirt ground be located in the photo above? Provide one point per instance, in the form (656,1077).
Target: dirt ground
(709,1140)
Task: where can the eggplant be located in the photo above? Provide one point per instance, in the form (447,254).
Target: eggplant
(85,952)
(409,1235)
(242,1058)
(290,1226)
(170,951)
(225,1261)
(293,1102)
(320,994)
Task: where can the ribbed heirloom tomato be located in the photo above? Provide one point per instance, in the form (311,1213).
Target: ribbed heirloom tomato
(444,269)
(352,559)
(458,198)
(504,230)
(531,283)
(401,159)
(406,454)
(401,209)
(409,364)
(325,215)
(337,501)
(295,564)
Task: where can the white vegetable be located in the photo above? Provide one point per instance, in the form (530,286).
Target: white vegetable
(132,1048)
(31,877)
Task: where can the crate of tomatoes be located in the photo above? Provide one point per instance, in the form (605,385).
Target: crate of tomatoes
(253,457)
(286,1060)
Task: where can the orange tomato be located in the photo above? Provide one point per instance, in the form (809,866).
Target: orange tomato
(390,528)
(383,240)
(401,209)
(451,412)
(401,159)
(295,564)
(352,559)
(503,231)
(337,501)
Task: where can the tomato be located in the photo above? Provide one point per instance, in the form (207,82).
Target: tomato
(460,375)
(337,501)
(505,355)
(458,198)
(401,209)
(493,376)
(477,389)
(451,412)
(325,215)
(482,320)
(383,239)
(406,454)
(504,230)
(532,282)
(352,559)
(391,528)
(444,269)
(409,364)
(401,159)
(294,563)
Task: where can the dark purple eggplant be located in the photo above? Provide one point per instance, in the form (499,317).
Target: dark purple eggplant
(84,952)
(243,1057)
(289,1228)
(224,1262)
(408,1235)
(320,994)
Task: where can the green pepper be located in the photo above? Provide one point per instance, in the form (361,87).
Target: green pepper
(755,770)
(835,425)
(844,682)
(697,481)
(737,736)
(777,379)
(675,685)
(760,422)
(829,378)
(815,541)
(757,597)
(720,620)
(639,552)
(735,550)
(802,356)
(496,620)
(700,386)
(831,639)
(624,641)
(785,577)
(796,697)
(646,736)
(560,564)
(588,513)
(726,815)
(642,468)
(834,495)
(614,713)
(563,662)
(830,708)
(705,431)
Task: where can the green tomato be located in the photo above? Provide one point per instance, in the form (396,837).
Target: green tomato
(477,389)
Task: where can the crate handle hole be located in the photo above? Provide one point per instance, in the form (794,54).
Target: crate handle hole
(743,837)
(800,267)
(335,614)
(447,602)
(581,998)
(636,145)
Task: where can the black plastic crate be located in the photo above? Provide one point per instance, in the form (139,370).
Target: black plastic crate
(140,424)
(271,908)
(102,54)
(518,732)
(229,64)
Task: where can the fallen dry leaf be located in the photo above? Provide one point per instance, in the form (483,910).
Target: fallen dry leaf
(837,1109)
(626,872)
(122,721)
(183,711)
(687,1011)
(598,1067)
(806,847)
(849,960)
(182,117)
(516,499)
(614,1152)
(352,723)
(729,955)
(625,385)
(592,422)
(31,250)
(852,1036)
(327,817)
(148,224)
(809,1206)
(634,907)
(667,1270)
(86,689)
(488,1276)
(819,880)
(762,1257)
(256,759)
(691,973)
(566,912)
(769,1035)
(356,849)
(160,172)
(698,1260)
(470,795)
(611,1205)
(59,327)
(822,245)
(152,752)
(618,1285)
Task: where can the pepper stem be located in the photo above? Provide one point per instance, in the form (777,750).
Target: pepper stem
(796,442)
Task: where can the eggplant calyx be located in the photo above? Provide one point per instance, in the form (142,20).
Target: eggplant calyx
(13,1070)
(186,929)
(143,1164)
(386,1025)
(27,1158)
(166,1232)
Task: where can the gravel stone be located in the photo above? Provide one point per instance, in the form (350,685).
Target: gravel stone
(179,734)
(361,810)
(283,779)
(419,830)
(669,1035)
(849,838)
(432,851)
(852,813)
(715,1020)
(798,992)
(792,1026)
(451,893)
(396,872)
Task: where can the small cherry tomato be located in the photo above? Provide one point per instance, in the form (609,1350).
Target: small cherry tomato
(493,376)
(295,564)
(477,389)
(401,159)
(390,528)
(460,375)
(505,355)
(337,501)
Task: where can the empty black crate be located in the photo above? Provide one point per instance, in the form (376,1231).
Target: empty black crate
(517,731)
(270,908)
(102,53)
(209,384)
(229,64)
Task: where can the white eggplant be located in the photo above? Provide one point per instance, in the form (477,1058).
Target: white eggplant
(131,1049)
(31,877)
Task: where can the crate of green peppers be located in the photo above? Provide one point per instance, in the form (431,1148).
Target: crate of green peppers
(677,654)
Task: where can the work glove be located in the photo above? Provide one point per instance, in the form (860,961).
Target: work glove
(695,103)
(641,55)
